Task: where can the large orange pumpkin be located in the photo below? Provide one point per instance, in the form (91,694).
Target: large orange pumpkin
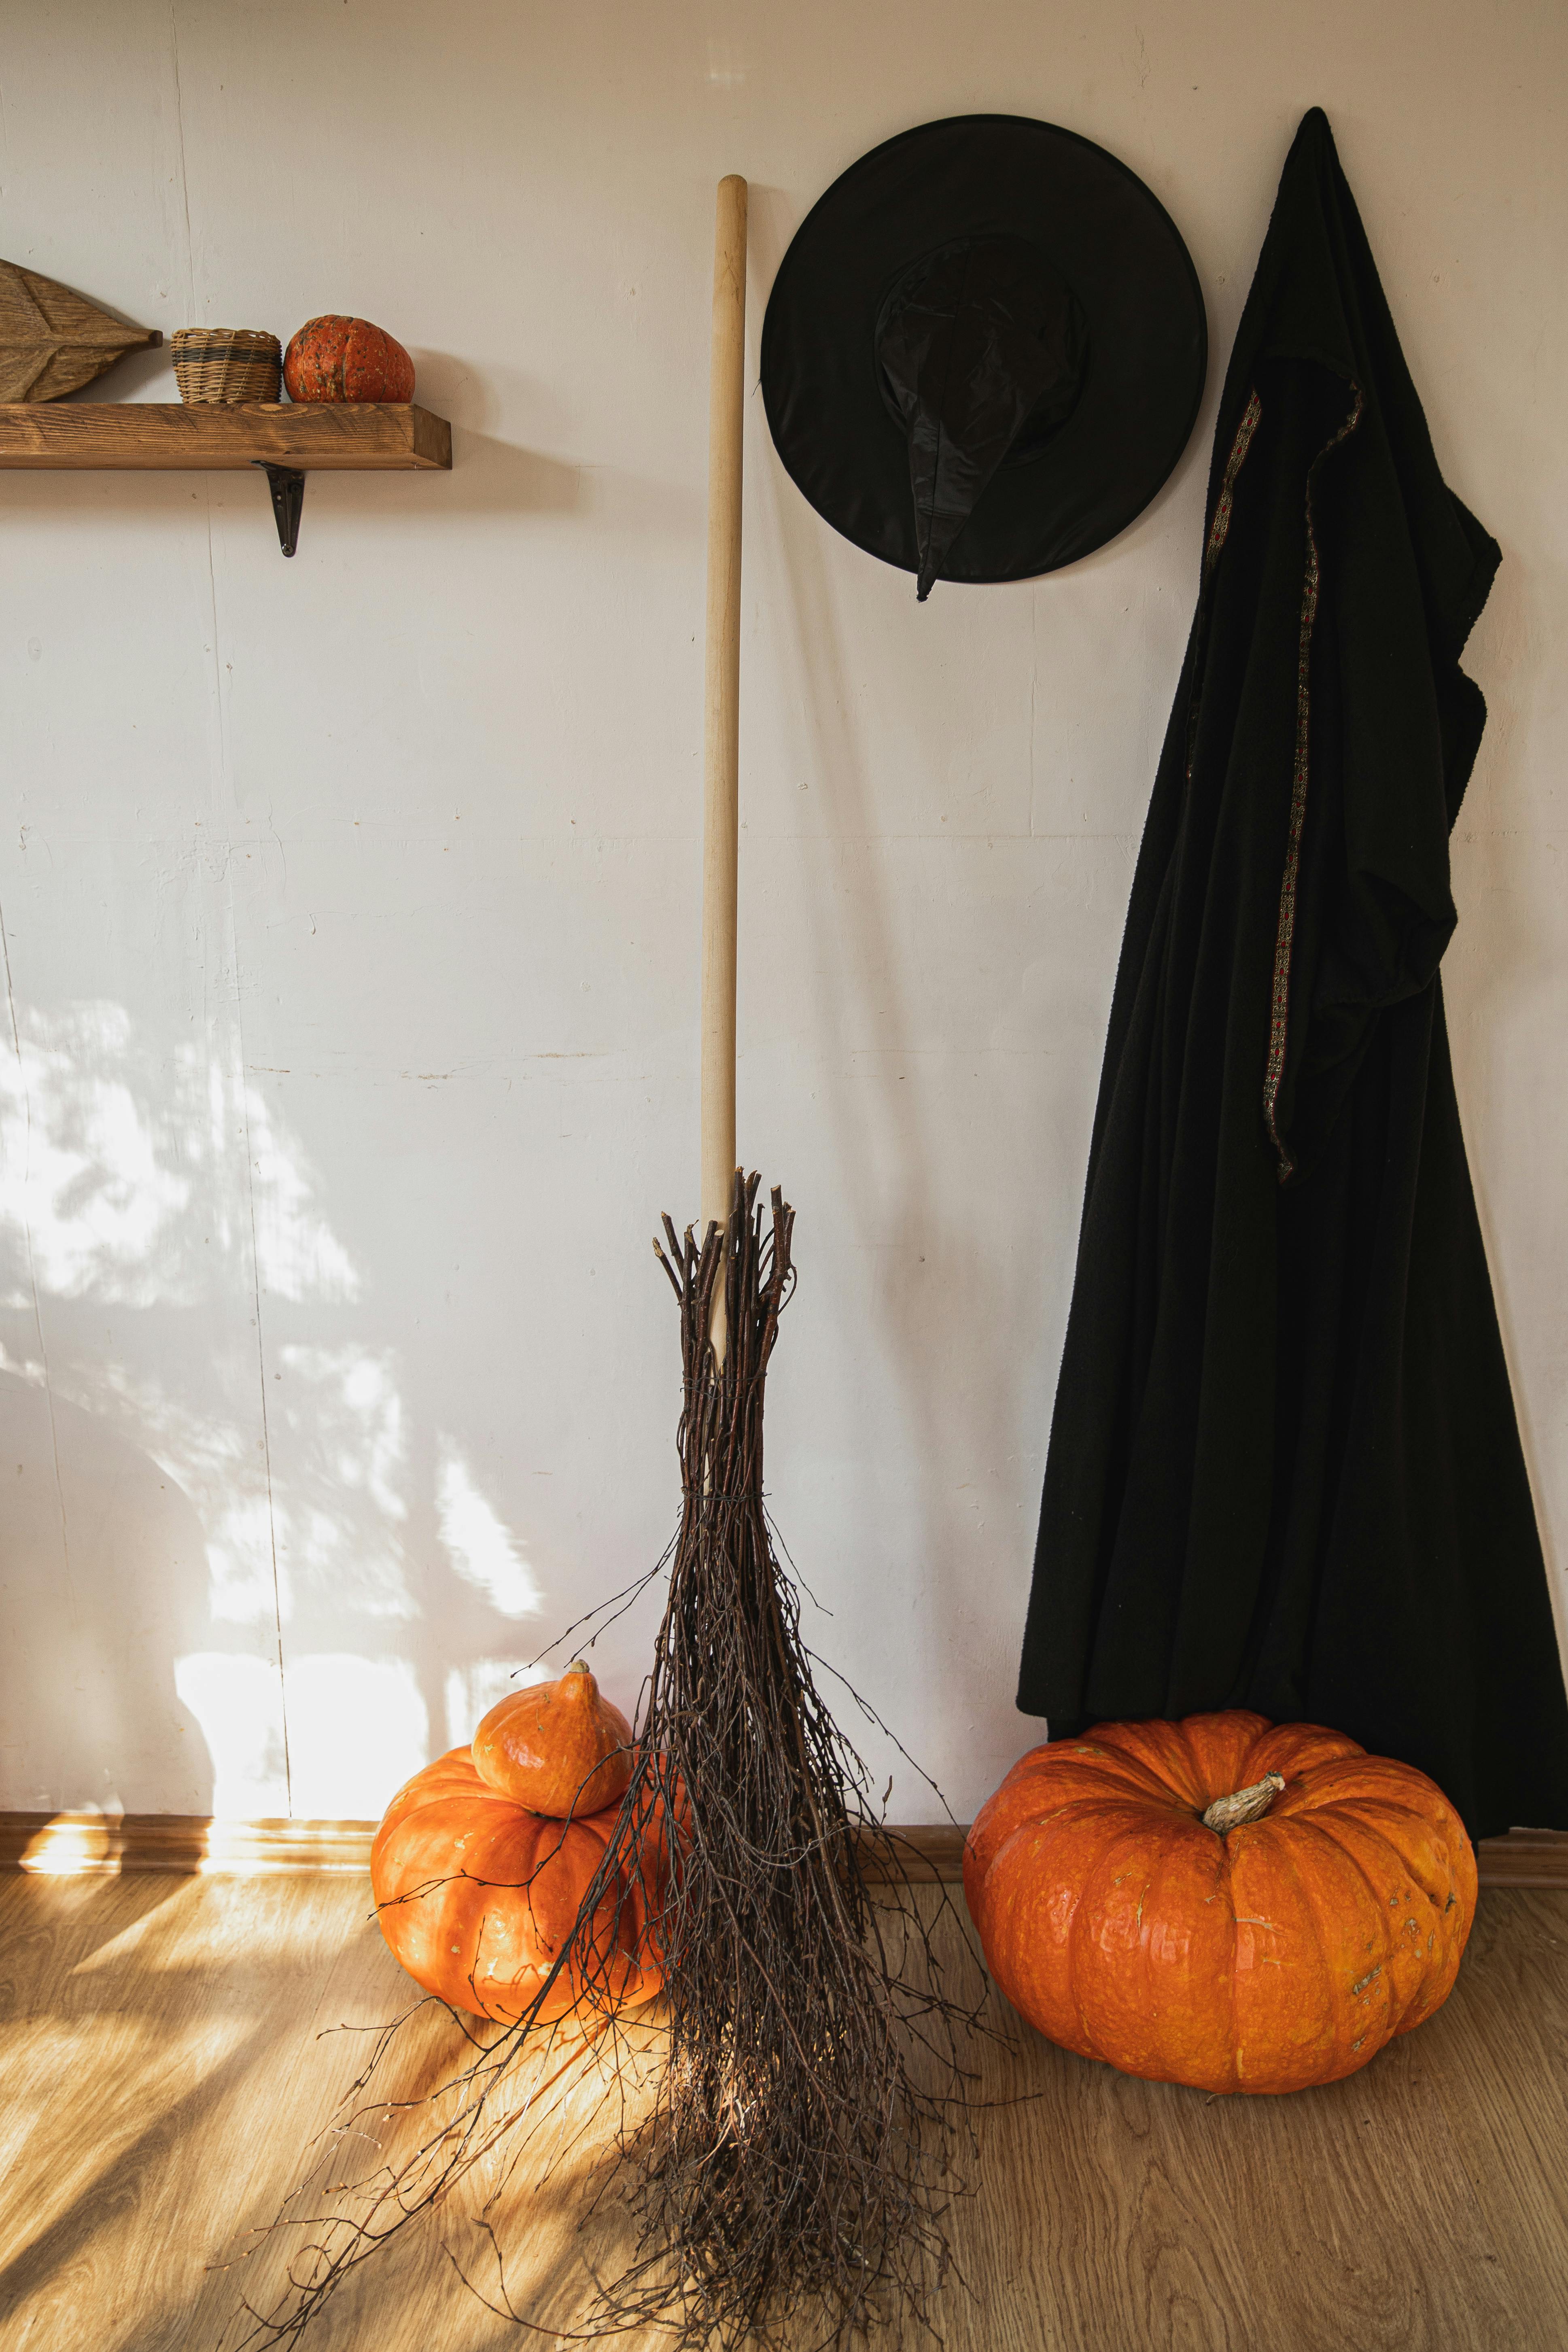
(477,1896)
(335,358)
(1283,1950)
(557,1747)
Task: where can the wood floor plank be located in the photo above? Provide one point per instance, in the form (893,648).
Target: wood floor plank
(156,2034)
(1497,2054)
(164,2077)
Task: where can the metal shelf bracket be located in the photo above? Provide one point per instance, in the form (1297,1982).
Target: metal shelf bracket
(287,483)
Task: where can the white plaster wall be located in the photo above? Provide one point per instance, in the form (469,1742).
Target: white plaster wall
(350,906)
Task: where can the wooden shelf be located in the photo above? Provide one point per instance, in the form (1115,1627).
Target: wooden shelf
(166,436)
(285,441)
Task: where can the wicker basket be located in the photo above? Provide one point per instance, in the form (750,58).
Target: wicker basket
(228,364)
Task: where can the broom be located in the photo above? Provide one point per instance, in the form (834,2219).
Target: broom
(789,2175)
(791,2167)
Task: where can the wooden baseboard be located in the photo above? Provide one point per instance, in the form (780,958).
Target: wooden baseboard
(70,1846)
(1525,1858)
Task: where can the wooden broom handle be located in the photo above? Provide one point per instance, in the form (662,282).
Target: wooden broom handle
(722,695)
(721,722)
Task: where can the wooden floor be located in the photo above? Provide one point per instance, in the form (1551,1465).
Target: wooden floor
(161,2075)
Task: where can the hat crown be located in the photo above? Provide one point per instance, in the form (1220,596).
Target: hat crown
(980,351)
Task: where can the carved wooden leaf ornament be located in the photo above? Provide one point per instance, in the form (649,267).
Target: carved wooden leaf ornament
(53,341)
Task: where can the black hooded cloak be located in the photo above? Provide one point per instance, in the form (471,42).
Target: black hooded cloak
(1285,1471)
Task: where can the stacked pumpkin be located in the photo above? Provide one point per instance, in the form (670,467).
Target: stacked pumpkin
(484,1859)
(1221,1902)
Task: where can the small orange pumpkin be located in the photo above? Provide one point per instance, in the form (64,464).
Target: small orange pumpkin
(1275,1938)
(334,358)
(477,1896)
(557,1747)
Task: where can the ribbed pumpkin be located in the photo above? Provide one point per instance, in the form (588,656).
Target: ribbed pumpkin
(558,1747)
(477,1896)
(334,358)
(1280,1951)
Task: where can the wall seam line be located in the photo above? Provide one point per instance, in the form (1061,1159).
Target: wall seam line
(32,1266)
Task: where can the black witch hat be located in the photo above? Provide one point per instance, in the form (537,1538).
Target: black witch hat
(999,317)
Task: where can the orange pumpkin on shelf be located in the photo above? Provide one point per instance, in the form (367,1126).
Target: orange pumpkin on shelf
(478,1897)
(557,1747)
(1220,1902)
(333,358)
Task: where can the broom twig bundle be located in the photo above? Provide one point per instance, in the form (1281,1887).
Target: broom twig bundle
(796,2148)
(790,2118)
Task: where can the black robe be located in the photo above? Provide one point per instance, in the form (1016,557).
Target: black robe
(1285,1471)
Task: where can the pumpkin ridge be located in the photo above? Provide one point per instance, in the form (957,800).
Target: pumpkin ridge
(1199,1734)
(483,1868)
(1359,1780)
(1227,1887)
(1113,1800)
(1102,1761)
(1314,1821)
(1221,1892)
(1085,1908)
(1123,1816)
(1289,1748)
(470,1856)
(1152,1869)
(594,1822)
(1277,1848)
(1384,1966)
(1033,1780)
(1198,1770)
(1079,1801)
(1381,1965)
(1125,1853)
(999,1896)
(1418,2005)
(1162,1751)
(1061,1792)
(1364,1822)
(1442,1900)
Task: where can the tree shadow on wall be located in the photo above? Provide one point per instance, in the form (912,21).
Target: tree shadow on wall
(186,1495)
(103,1587)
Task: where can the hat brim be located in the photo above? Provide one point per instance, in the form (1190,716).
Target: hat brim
(1120,252)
